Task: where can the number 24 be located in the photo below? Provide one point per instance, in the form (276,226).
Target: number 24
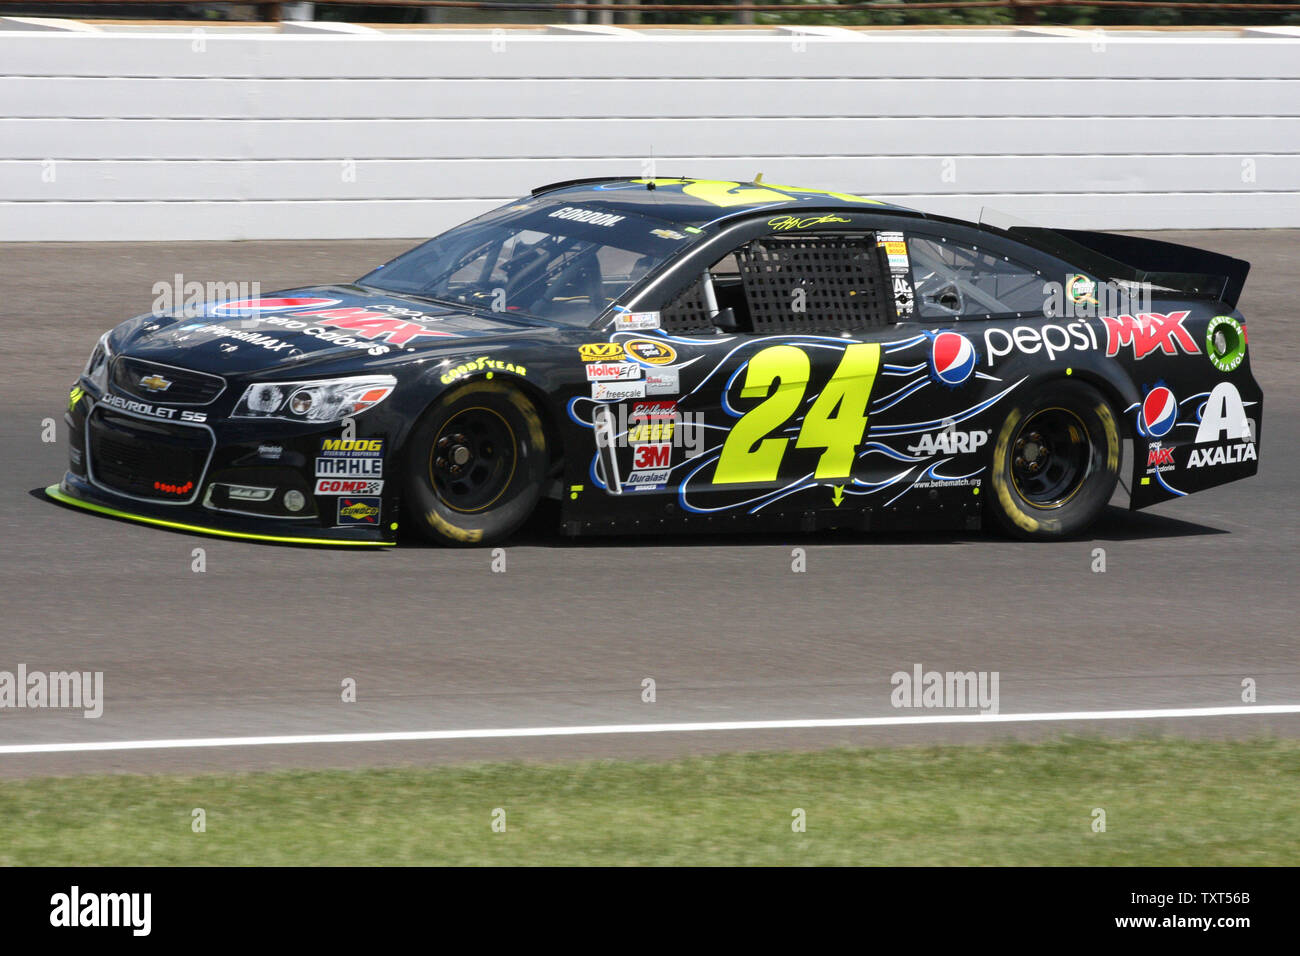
(836,421)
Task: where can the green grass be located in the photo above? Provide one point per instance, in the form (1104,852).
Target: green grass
(1167,802)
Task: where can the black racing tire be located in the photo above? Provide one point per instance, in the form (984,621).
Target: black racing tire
(475,465)
(1055,462)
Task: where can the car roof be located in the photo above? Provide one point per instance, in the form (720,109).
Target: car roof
(700,202)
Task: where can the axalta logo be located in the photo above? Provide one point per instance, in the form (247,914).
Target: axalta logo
(950,442)
(1224,416)
(352,444)
(1225,427)
(1148,332)
(1222,455)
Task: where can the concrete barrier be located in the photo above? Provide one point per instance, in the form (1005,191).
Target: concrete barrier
(257,134)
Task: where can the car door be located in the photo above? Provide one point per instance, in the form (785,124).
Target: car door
(780,342)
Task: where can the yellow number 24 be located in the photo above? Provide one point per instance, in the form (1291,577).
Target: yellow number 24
(836,421)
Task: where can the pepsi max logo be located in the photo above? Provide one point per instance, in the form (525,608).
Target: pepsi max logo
(952,358)
(1159,413)
(272,304)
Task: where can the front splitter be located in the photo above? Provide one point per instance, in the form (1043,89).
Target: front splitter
(58,494)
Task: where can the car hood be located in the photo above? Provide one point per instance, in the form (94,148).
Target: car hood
(309,327)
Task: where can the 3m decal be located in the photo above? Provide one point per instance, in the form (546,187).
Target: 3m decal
(836,421)
(652,456)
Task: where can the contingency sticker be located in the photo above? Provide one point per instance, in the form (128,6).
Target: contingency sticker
(895,247)
(636,321)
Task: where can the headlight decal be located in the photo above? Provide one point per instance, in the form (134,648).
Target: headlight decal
(317,401)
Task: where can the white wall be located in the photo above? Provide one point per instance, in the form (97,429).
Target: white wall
(185,136)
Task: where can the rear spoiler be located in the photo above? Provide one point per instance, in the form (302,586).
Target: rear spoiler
(1164,265)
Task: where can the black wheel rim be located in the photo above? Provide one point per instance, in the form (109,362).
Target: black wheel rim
(1051,457)
(472,459)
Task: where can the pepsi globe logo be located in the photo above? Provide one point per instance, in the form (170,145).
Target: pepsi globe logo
(1159,412)
(952,358)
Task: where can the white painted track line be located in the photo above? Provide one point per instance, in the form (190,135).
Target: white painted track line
(289,740)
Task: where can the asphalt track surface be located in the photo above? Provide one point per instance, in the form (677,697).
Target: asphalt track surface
(1198,594)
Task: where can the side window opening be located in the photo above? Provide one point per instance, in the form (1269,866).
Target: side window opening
(789,284)
(953,279)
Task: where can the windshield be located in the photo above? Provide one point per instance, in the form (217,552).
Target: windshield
(563,264)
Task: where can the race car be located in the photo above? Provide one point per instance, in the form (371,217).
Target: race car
(664,355)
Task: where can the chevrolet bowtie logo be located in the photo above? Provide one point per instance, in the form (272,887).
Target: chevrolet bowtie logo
(155,383)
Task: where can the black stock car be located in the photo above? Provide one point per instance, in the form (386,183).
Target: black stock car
(682,354)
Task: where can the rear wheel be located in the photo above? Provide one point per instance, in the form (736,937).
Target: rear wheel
(1055,462)
(475,465)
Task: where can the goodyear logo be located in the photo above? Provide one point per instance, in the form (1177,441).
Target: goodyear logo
(601,352)
(483,363)
(650,352)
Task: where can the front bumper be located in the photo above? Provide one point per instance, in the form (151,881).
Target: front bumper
(78,493)
(208,474)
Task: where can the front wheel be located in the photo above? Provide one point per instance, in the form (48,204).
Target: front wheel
(1055,462)
(475,465)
